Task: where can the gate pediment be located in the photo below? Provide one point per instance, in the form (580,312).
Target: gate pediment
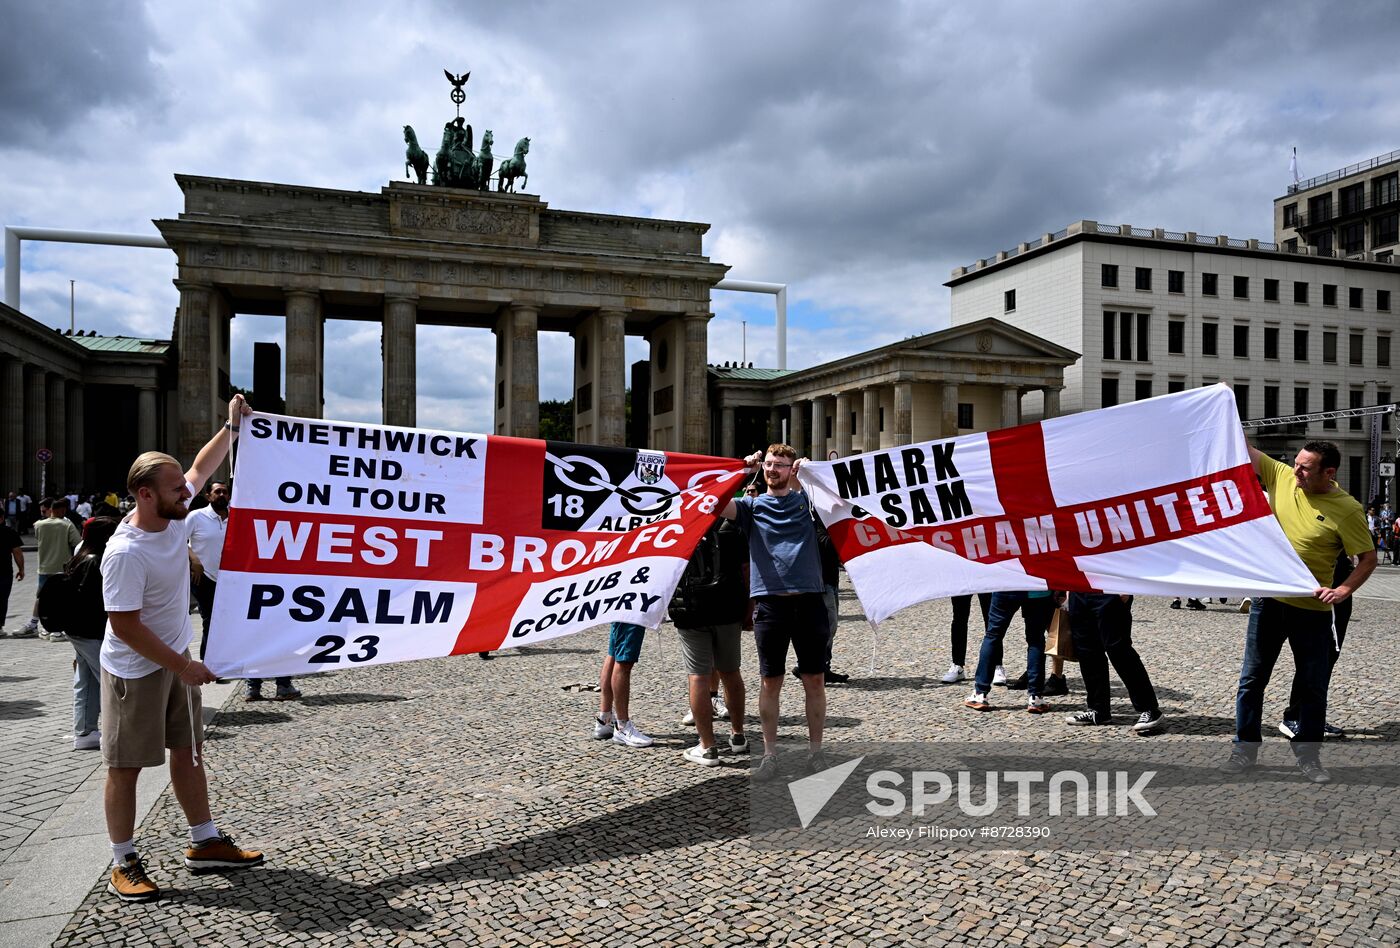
(430,213)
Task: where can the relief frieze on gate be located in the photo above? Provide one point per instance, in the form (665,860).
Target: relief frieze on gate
(463,216)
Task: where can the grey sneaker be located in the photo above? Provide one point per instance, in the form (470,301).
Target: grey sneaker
(1313,771)
(817,762)
(1239,763)
(767,769)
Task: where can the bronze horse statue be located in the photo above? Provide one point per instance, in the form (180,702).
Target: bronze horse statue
(514,167)
(416,158)
(485,160)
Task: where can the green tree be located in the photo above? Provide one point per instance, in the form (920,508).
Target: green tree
(557,420)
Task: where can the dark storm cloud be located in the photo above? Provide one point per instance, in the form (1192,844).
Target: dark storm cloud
(61,59)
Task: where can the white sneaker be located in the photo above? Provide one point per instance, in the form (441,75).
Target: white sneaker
(689,719)
(90,741)
(56,637)
(705,757)
(999,676)
(603,727)
(721,710)
(625,732)
(953,674)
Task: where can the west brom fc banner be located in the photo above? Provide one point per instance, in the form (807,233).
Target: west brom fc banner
(351,544)
(1155,497)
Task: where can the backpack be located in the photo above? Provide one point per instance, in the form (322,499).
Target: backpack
(711,589)
(56,603)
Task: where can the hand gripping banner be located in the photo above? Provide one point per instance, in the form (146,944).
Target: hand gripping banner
(353,544)
(1156,497)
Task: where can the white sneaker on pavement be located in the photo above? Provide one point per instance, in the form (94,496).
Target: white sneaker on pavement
(625,732)
(90,741)
(721,710)
(953,674)
(704,756)
(999,676)
(603,727)
(689,719)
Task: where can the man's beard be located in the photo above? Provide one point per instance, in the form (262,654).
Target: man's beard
(172,511)
(219,505)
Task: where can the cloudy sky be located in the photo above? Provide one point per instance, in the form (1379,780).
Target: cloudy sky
(856,152)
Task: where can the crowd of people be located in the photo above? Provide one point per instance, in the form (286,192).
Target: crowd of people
(118,587)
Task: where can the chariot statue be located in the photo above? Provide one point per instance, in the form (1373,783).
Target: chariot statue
(455,165)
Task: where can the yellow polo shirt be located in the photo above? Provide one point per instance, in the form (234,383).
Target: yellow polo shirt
(1320,526)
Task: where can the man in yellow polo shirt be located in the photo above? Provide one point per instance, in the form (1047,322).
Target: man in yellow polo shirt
(1321,521)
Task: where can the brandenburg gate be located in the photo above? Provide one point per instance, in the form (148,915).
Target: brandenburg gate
(417,254)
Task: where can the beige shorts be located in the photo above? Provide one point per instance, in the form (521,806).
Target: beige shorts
(141,717)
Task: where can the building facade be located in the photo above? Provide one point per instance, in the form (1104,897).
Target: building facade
(1351,212)
(1157,311)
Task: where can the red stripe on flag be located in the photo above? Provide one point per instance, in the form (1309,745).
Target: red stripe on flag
(1023,486)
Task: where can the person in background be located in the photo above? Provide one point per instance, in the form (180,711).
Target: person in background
(57,538)
(615,687)
(11,548)
(86,627)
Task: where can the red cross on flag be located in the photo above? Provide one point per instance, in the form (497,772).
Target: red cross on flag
(1155,497)
(352,544)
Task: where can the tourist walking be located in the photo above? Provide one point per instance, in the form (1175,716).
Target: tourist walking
(1101,629)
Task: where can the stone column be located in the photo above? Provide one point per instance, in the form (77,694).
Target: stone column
(870,422)
(695,400)
(726,432)
(798,433)
(1010,407)
(304,356)
(57,417)
(196,369)
(903,413)
(400,392)
(35,427)
(775,425)
(609,401)
(819,428)
(146,420)
(949,425)
(77,462)
(524,371)
(842,427)
(12,415)
(1052,403)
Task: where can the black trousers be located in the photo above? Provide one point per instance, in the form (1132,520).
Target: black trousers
(203,592)
(1341,618)
(962,610)
(1101,627)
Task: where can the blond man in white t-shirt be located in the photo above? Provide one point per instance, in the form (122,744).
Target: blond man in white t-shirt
(150,682)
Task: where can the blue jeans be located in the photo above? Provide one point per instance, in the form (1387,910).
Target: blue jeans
(1037,614)
(87,685)
(1308,633)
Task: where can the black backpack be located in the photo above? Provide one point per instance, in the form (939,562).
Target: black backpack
(56,603)
(711,590)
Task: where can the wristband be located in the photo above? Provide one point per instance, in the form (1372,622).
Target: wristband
(231,426)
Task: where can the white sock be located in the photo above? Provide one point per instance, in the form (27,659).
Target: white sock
(606,717)
(121,850)
(203,831)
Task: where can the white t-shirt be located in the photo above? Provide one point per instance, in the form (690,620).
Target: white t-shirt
(84,510)
(149,573)
(207,530)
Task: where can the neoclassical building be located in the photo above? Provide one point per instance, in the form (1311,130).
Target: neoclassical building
(959,380)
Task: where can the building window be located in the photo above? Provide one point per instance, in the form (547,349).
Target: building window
(1209,334)
(1142,334)
(1355,356)
(1110,328)
(1300,345)
(1357,396)
(1291,245)
(1176,337)
(1329,294)
(1385,190)
(1383,301)
(1270,401)
(1242,400)
(1352,198)
(583,400)
(1323,243)
(1354,297)
(1108,393)
(1300,400)
(1383,351)
(1125,336)
(1290,215)
(1241,288)
(1176,281)
(1176,385)
(964,414)
(1271,291)
(1142,388)
(1241,341)
(1384,230)
(1109,275)
(1329,403)
(1010,301)
(1142,278)
(1319,209)
(1300,292)
(1209,284)
(1271,342)
(1353,237)
(1329,347)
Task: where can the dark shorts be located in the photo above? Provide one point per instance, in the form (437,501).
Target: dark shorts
(625,642)
(800,620)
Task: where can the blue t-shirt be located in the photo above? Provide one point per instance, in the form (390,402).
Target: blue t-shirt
(783,554)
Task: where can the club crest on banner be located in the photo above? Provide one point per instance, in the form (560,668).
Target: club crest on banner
(594,489)
(651,465)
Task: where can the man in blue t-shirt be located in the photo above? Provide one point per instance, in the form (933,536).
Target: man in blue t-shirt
(785,581)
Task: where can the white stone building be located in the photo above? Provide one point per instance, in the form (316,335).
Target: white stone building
(1156,311)
(1351,212)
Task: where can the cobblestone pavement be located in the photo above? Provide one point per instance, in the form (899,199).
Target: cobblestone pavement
(462,802)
